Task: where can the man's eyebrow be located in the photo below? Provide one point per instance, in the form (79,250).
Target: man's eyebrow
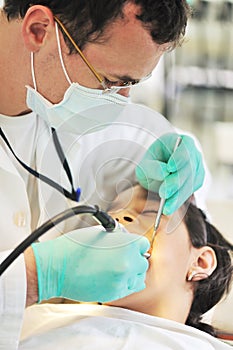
(128,78)
(124,77)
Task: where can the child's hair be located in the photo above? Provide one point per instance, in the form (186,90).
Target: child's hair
(209,291)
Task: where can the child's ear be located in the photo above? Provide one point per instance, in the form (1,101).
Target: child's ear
(204,265)
(36,25)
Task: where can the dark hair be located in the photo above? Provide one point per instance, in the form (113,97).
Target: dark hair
(86,20)
(208,292)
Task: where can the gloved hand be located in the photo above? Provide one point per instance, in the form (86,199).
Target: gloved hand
(174,175)
(91,265)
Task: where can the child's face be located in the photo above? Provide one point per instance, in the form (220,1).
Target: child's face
(170,259)
(136,210)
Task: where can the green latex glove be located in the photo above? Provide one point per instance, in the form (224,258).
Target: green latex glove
(91,265)
(174,175)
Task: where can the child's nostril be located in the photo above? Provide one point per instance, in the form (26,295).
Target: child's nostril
(128,218)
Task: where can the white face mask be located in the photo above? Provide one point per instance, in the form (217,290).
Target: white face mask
(78,111)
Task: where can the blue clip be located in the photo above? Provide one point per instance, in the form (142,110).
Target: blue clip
(78,194)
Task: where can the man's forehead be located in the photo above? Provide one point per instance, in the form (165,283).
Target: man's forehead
(128,45)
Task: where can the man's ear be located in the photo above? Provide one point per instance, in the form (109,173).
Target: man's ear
(204,265)
(37,24)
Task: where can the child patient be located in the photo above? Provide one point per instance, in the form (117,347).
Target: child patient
(190,266)
(190,270)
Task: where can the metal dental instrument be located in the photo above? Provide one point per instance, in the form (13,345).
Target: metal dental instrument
(161,205)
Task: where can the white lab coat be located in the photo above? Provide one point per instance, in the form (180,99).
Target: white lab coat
(97,327)
(102,165)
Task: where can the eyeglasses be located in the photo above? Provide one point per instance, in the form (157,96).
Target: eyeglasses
(108,86)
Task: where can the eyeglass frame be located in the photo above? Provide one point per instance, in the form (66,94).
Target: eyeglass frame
(106,89)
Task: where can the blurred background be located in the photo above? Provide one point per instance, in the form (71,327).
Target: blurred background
(193,88)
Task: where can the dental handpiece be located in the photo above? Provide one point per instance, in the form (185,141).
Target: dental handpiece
(111,224)
(105,220)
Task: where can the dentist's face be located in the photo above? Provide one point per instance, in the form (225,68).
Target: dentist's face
(126,52)
(170,260)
